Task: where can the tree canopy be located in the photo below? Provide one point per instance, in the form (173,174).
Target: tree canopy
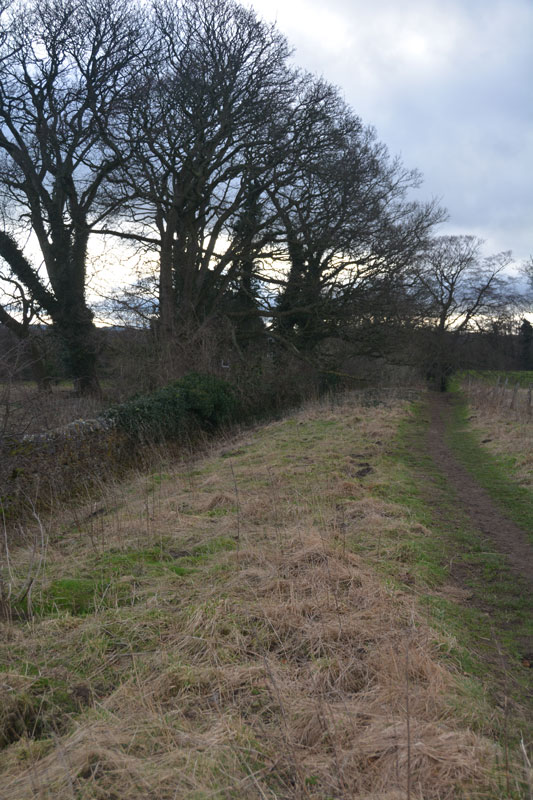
(183,127)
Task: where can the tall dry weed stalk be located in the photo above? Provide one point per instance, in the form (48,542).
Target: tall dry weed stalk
(238,506)
(515,402)
(16,589)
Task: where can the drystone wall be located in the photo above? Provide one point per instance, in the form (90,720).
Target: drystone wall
(39,470)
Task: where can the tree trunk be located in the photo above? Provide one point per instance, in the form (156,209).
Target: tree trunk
(39,366)
(167,300)
(78,336)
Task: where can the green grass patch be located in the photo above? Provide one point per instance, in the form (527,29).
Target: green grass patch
(205,551)
(77,596)
(493,472)
(102,582)
(150,562)
(156,479)
(154,562)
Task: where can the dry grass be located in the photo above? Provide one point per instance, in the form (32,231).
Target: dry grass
(237,647)
(506,432)
(25,410)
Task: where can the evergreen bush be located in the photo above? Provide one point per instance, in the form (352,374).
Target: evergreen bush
(194,401)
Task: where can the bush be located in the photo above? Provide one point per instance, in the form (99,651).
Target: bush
(211,399)
(192,402)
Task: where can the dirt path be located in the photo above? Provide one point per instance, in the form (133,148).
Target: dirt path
(506,536)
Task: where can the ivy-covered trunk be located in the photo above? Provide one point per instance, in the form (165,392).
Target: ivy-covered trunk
(73,319)
(167,297)
(77,334)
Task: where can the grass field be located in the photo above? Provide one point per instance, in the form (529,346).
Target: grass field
(503,433)
(274,619)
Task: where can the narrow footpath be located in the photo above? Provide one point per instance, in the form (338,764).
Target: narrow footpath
(485,516)
(488,556)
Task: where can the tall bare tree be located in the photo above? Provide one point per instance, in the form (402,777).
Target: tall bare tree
(200,135)
(344,209)
(458,290)
(64,66)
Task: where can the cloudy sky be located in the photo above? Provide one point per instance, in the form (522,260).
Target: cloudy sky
(448,84)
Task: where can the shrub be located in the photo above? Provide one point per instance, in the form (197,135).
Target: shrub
(192,402)
(211,399)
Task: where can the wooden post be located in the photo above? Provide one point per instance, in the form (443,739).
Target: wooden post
(513,398)
(529,402)
(493,395)
(502,392)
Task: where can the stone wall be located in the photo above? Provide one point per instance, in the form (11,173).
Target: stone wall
(40,470)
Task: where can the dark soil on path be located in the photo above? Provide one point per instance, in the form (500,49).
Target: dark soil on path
(486,517)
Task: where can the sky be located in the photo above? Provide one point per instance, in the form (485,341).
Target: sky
(448,85)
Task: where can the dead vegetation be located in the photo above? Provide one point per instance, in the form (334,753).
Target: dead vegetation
(503,416)
(233,645)
(24,410)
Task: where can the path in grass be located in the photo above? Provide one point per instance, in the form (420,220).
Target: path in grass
(487,518)
(475,536)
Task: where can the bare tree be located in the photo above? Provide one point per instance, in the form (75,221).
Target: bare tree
(527,272)
(63,70)
(343,207)
(200,132)
(458,290)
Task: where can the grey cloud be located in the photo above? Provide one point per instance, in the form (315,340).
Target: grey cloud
(447,85)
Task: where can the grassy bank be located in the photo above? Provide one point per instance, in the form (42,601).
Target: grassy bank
(501,433)
(263,622)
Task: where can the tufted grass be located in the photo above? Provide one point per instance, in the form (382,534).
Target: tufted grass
(273,641)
